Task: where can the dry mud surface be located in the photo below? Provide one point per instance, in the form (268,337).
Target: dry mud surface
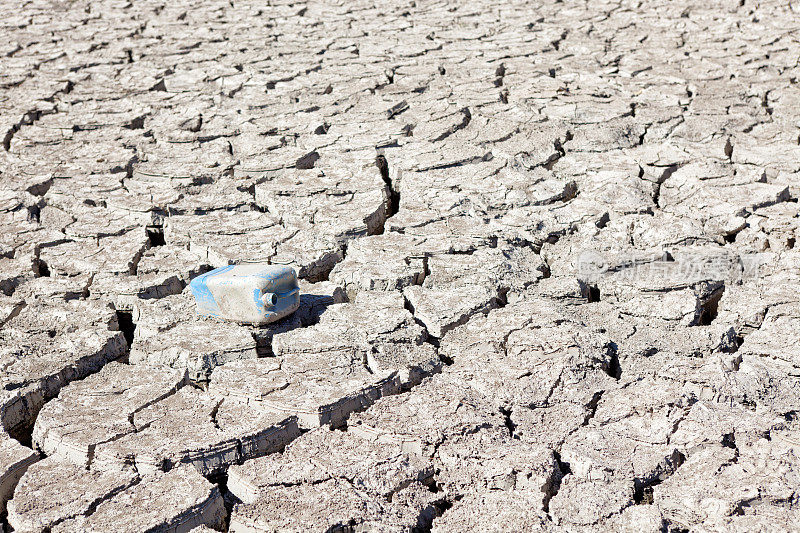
(549,262)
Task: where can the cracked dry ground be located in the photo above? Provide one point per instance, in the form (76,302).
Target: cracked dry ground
(548,258)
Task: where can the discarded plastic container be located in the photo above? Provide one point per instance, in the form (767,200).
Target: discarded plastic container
(248,293)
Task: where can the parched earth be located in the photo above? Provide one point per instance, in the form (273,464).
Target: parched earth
(549,262)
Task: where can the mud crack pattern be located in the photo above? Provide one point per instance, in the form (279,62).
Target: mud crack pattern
(547,255)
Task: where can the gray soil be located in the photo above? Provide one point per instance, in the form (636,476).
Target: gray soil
(547,255)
